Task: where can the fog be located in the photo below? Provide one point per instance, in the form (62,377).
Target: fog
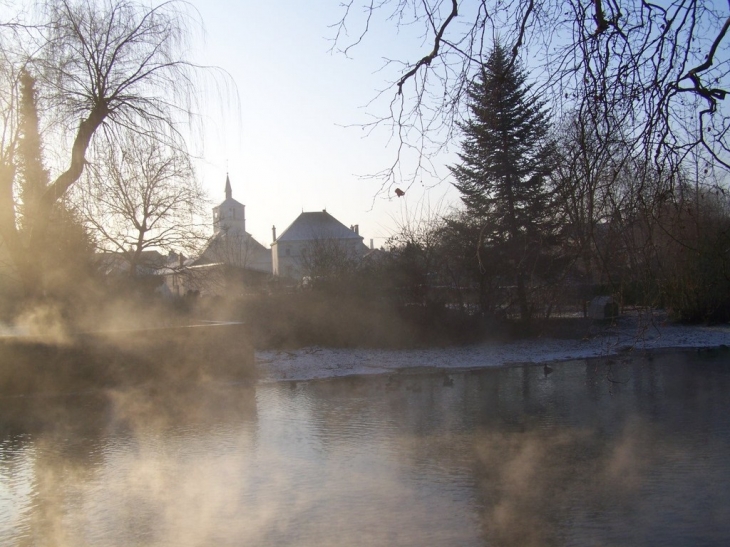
(497,457)
(133,410)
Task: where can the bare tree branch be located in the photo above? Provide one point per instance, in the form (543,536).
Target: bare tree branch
(656,71)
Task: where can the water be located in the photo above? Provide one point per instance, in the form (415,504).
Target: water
(596,453)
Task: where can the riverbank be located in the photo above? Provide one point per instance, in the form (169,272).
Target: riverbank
(165,356)
(629,334)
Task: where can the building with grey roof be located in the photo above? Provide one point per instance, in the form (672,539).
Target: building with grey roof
(310,231)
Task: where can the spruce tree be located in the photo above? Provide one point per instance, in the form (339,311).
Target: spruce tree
(505,158)
(34,177)
(60,254)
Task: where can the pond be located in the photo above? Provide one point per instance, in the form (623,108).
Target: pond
(621,452)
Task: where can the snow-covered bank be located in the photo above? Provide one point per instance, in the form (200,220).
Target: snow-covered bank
(630,333)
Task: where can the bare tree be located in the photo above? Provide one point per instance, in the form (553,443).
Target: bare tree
(656,73)
(693,259)
(326,261)
(652,237)
(416,250)
(143,195)
(586,180)
(232,262)
(234,248)
(100,67)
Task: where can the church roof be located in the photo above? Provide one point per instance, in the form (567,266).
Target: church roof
(218,242)
(229,201)
(316,225)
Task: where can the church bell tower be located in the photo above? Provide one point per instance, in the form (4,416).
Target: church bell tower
(230,215)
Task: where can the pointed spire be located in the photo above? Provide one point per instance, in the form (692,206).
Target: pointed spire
(229,192)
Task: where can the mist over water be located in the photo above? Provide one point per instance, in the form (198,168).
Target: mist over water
(596,453)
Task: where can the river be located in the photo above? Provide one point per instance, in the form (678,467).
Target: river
(627,451)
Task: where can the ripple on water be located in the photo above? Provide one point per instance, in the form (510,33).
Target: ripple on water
(493,457)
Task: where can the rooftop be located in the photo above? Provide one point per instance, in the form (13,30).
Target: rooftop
(316,225)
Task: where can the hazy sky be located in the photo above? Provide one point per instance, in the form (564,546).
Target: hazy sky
(287,147)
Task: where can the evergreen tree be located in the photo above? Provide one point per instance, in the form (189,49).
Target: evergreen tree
(60,257)
(34,177)
(505,159)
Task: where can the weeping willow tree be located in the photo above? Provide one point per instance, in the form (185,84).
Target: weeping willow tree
(98,67)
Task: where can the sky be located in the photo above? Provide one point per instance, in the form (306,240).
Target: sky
(290,135)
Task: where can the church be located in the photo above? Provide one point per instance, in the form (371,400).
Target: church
(232,258)
(231,244)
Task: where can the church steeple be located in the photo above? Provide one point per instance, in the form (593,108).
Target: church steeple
(229,215)
(229,192)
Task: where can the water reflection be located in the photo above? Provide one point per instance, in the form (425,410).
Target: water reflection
(629,452)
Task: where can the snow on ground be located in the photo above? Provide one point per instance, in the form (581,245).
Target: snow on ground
(629,334)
